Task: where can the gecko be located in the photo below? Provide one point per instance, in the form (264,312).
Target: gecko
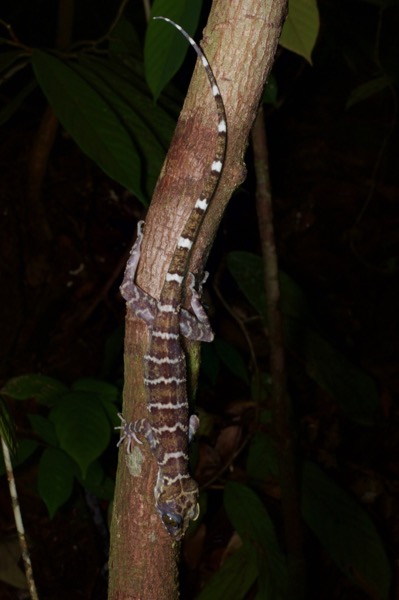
(168,427)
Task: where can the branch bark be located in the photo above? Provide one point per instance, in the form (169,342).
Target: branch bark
(240,41)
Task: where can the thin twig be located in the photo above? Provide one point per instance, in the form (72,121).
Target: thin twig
(284,431)
(106,36)
(147,9)
(18,522)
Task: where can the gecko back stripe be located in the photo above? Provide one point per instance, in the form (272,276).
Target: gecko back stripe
(184,243)
(171,428)
(174,277)
(167,405)
(178,477)
(164,360)
(165,381)
(165,335)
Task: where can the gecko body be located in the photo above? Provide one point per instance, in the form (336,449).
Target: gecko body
(168,427)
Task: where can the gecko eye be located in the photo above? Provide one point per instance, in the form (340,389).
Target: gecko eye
(171,521)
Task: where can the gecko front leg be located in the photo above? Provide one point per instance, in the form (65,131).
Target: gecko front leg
(196,327)
(142,304)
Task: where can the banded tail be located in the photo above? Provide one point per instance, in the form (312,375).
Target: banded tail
(178,265)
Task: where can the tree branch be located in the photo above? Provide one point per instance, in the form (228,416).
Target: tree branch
(240,41)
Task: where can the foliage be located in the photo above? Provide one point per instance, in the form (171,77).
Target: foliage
(301,28)
(73,435)
(165,48)
(103,102)
(102,99)
(342,527)
(346,532)
(351,388)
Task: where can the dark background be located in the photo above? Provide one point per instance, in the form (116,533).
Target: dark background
(335,173)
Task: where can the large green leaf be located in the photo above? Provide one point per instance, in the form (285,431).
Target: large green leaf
(97,482)
(247,269)
(346,532)
(235,578)
(44,428)
(251,520)
(103,390)
(351,388)
(301,27)
(165,48)
(45,390)
(55,478)
(148,125)
(91,119)
(125,42)
(82,427)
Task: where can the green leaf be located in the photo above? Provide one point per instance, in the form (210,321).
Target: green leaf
(346,532)
(102,390)
(270,93)
(7,427)
(82,427)
(301,28)
(247,270)
(44,428)
(91,120)
(25,449)
(55,479)
(94,475)
(45,390)
(235,577)
(97,482)
(10,559)
(150,126)
(352,389)
(251,520)
(262,459)
(232,359)
(165,47)
(124,40)
(370,88)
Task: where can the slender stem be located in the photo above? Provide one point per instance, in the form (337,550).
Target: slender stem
(18,522)
(147,9)
(65,18)
(284,430)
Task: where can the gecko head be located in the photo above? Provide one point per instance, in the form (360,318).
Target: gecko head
(176,512)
